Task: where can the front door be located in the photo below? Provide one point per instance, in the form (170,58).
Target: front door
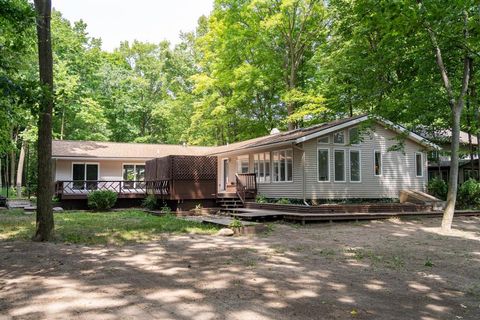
(224,174)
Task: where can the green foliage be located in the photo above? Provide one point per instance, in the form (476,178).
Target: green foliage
(102,199)
(150,202)
(468,196)
(116,227)
(235,223)
(283,201)
(438,188)
(166,209)
(260,199)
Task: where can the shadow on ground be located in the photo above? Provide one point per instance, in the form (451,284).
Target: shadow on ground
(374,270)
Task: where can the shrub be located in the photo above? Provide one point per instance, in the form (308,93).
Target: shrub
(166,209)
(150,202)
(283,201)
(469,194)
(102,199)
(260,199)
(235,223)
(438,188)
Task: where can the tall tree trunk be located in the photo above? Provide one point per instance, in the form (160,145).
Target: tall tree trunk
(44,228)
(21,161)
(13,161)
(62,127)
(456,105)
(1,173)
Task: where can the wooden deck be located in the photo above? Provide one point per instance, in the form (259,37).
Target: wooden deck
(302,217)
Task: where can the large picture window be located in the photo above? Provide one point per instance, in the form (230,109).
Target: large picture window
(355,166)
(283,166)
(85,176)
(133,175)
(242,164)
(339,165)
(261,164)
(323,165)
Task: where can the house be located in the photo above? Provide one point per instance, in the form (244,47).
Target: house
(439,166)
(357,157)
(82,166)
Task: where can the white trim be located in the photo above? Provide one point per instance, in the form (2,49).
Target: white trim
(325,136)
(102,159)
(286,168)
(381,163)
(223,182)
(421,162)
(328,164)
(247,149)
(84,167)
(411,135)
(350,165)
(331,129)
(344,138)
(344,166)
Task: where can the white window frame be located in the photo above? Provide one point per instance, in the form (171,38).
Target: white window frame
(85,168)
(328,164)
(350,140)
(381,163)
(323,137)
(286,167)
(359,165)
(344,166)
(239,161)
(264,162)
(416,165)
(344,138)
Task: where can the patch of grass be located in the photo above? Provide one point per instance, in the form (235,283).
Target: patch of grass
(116,227)
(392,262)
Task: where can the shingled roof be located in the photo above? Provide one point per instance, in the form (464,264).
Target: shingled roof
(112,150)
(282,137)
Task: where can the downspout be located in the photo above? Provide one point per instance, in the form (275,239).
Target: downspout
(304,181)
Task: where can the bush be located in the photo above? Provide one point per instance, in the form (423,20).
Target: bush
(469,195)
(260,199)
(150,202)
(438,188)
(166,209)
(283,201)
(102,199)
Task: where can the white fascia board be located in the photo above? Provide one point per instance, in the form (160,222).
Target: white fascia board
(100,158)
(331,129)
(413,136)
(250,149)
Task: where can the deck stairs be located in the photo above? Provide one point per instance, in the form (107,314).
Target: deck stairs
(229,202)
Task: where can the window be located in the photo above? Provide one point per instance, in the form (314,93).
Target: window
(339,137)
(355,166)
(133,175)
(418,164)
(242,164)
(261,164)
(323,164)
(353,135)
(283,166)
(377,163)
(339,165)
(85,176)
(324,139)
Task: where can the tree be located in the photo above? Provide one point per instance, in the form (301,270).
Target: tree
(45,224)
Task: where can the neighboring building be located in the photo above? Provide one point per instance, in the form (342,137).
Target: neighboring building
(439,166)
(348,158)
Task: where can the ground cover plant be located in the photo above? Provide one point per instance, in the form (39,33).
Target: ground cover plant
(116,227)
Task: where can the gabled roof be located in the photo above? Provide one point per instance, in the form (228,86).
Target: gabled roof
(116,150)
(305,134)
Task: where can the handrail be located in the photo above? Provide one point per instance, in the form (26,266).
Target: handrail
(246,183)
(86,186)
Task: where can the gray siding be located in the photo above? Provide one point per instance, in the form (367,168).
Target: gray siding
(398,170)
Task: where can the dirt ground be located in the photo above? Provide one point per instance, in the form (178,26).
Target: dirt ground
(388,269)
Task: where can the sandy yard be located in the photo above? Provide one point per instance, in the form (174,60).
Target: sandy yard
(373,270)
